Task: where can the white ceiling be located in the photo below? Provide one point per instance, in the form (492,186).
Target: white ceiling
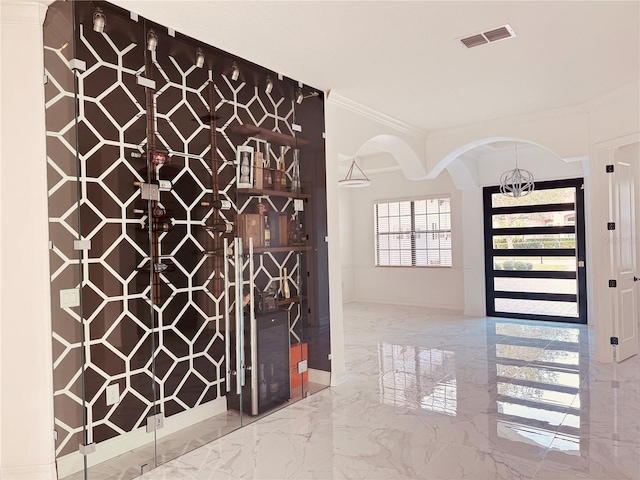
(402,58)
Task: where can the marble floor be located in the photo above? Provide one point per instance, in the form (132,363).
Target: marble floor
(430,395)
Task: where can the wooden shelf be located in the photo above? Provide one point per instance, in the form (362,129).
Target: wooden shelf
(287,301)
(286,248)
(271,193)
(269,135)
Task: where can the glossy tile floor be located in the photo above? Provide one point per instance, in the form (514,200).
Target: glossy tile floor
(431,395)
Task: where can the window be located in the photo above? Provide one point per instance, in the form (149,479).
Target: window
(413,233)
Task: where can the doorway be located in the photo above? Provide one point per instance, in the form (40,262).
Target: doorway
(535,253)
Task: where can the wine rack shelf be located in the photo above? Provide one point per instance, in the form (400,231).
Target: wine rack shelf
(269,136)
(287,301)
(273,193)
(286,248)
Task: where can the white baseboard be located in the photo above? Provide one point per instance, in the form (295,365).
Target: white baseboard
(446,309)
(319,376)
(113,447)
(31,472)
(338,378)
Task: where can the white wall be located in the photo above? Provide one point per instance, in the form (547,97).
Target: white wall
(346,246)
(26,386)
(429,287)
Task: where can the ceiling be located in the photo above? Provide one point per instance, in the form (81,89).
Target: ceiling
(403,59)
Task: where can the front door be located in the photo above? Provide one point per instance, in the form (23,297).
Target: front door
(534,253)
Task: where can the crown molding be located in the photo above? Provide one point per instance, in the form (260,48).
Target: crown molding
(24,13)
(612,96)
(343,102)
(510,121)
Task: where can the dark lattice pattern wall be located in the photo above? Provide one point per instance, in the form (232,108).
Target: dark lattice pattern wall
(124,334)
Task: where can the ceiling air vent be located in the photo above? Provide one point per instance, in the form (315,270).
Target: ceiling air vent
(490,36)
(474,41)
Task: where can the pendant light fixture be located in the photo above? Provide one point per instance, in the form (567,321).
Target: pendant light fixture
(199,58)
(354,182)
(152,41)
(235,72)
(99,20)
(518,182)
(269,86)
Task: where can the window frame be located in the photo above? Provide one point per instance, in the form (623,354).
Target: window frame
(413,233)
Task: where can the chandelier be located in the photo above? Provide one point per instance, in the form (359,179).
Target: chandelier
(359,180)
(518,182)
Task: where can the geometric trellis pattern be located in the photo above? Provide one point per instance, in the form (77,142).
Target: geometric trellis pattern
(166,355)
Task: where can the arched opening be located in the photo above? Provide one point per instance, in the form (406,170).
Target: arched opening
(399,154)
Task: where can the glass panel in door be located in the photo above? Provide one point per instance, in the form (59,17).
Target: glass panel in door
(194,291)
(271,229)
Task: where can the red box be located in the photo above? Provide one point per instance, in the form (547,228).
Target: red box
(298,353)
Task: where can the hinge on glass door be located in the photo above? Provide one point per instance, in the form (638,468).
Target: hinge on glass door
(614,340)
(87,449)
(155,422)
(77,64)
(610,168)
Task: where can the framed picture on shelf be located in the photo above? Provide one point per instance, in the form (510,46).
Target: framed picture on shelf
(244,167)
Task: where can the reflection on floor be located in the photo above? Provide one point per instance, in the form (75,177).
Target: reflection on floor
(430,395)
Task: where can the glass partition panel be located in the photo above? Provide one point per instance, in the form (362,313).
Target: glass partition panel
(180,318)
(64,229)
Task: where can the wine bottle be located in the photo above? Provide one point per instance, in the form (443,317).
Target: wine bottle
(273,384)
(219,252)
(245,169)
(159,213)
(220,227)
(159,268)
(162,227)
(258,178)
(283,168)
(267,232)
(286,292)
(159,158)
(217,204)
(266,171)
(295,171)
(263,383)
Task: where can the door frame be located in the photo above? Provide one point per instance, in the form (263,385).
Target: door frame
(580,254)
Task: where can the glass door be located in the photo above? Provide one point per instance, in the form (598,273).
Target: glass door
(270,244)
(191,229)
(534,253)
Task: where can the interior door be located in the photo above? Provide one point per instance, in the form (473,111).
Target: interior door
(622,249)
